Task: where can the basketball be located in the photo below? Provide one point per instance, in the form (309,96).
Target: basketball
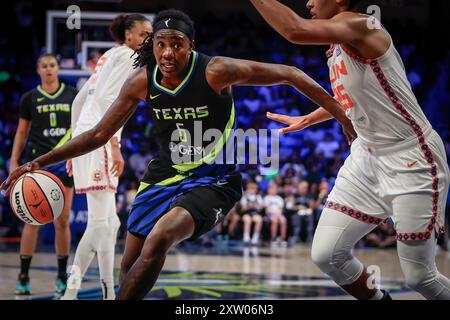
(37,197)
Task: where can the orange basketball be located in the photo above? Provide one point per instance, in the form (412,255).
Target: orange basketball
(37,197)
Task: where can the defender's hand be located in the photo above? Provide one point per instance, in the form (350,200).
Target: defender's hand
(118,162)
(69,168)
(297,123)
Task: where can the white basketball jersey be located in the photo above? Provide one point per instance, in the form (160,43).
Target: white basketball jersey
(103,87)
(376,96)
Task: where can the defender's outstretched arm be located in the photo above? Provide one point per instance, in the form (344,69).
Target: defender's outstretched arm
(346,27)
(222,73)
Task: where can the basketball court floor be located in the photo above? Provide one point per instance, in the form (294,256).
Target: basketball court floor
(221,271)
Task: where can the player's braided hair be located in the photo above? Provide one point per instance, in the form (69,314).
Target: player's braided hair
(144,55)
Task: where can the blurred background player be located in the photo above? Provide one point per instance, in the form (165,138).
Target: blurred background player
(44,125)
(97,172)
(397,166)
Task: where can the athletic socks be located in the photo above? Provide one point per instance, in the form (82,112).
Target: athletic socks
(84,254)
(105,256)
(25,262)
(98,238)
(108,289)
(255,238)
(62,267)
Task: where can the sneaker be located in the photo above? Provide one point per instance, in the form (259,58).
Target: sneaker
(60,285)
(23,286)
(284,244)
(386,295)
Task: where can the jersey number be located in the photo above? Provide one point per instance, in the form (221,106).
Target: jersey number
(53,120)
(342,97)
(181,132)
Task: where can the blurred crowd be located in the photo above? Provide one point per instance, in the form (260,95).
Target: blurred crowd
(279,207)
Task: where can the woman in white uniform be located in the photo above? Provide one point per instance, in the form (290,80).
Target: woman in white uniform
(397,166)
(96,173)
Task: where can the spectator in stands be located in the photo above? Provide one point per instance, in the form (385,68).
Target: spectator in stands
(304,207)
(251,209)
(320,199)
(273,205)
(328,146)
(288,194)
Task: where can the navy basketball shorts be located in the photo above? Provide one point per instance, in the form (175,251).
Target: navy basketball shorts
(207,199)
(59,170)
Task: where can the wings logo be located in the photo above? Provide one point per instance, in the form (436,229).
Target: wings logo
(219,215)
(36,205)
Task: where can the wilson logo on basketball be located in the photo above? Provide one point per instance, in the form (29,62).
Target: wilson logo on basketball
(19,209)
(37,197)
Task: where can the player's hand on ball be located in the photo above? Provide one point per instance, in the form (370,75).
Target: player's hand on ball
(13,166)
(69,168)
(297,123)
(13,176)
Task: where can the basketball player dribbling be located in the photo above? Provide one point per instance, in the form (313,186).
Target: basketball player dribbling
(397,166)
(180,200)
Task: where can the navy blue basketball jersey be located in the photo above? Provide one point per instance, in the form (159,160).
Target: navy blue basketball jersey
(193,125)
(50,116)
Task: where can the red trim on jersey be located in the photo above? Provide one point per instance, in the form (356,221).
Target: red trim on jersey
(357,58)
(105,155)
(88,189)
(352,213)
(330,51)
(378,72)
(110,186)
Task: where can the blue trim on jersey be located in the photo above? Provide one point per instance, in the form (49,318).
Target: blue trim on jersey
(155,201)
(58,169)
(185,82)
